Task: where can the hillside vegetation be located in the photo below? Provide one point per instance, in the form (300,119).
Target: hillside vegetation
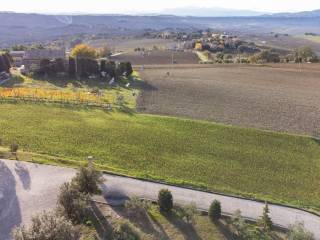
(266,165)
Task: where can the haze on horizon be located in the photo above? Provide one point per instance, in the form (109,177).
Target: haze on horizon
(147,6)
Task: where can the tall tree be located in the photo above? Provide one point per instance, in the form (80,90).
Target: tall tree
(83,51)
(305,54)
(5,63)
(103,66)
(2,64)
(19,48)
(129,69)
(72,67)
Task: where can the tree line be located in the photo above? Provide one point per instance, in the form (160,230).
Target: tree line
(299,55)
(85,67)
(5,62)
(83,63)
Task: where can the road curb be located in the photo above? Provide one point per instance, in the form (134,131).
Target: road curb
(210,192)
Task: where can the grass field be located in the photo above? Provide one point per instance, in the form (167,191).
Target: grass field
(265,165)
(130,44)
(315,39)
(158,57)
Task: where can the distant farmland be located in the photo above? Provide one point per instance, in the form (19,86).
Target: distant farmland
(126,45)
(279,97)
(158,57)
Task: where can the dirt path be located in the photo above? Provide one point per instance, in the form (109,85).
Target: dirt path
(27,189)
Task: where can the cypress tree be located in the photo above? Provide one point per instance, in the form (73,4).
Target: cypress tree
(103,67)
(215,211)
(72,67)
(265,220)
(129,69)
(165,200)
(2,64)
(7,61)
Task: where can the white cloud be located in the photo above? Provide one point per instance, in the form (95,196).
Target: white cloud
(129,6)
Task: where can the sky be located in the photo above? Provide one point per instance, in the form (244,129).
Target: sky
(151,6)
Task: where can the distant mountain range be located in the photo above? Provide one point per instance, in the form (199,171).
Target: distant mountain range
(225,12)
(211,12)
(17,28)
(306,14)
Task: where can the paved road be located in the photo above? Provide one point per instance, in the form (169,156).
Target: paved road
(26,189)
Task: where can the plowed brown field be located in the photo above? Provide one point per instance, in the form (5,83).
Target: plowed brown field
(279,97)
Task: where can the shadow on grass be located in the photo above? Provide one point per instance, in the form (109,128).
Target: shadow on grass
(186,229)
(13,82)
(223,227)
(126,110)
(317,140)
(102,226)
(161,230)
(140,220)
(98,83)
(61,82)
(145,86)
(146,223)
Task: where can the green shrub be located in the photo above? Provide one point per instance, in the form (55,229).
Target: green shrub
(187,212)
(47,226)
(298,232)
(137,206)
(240,225)
(88,180)
(165,200)
(72,204)
(125,231)
(215,211)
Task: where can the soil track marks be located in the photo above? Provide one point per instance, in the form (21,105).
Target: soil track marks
(276,97)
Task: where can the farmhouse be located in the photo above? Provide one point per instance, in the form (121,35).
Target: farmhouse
(17,57)
(32,58)
(166,35)
(198,46)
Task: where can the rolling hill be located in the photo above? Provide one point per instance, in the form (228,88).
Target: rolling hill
(18,28)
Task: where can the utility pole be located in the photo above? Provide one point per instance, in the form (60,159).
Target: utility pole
(90,161)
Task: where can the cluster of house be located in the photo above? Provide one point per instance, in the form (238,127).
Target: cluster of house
(206,40)
(30,60)
(217,42)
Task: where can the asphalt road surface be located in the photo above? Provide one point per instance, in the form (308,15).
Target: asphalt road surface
(27,189)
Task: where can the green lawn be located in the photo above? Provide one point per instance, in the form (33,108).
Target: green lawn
(175,228)
(266,165)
